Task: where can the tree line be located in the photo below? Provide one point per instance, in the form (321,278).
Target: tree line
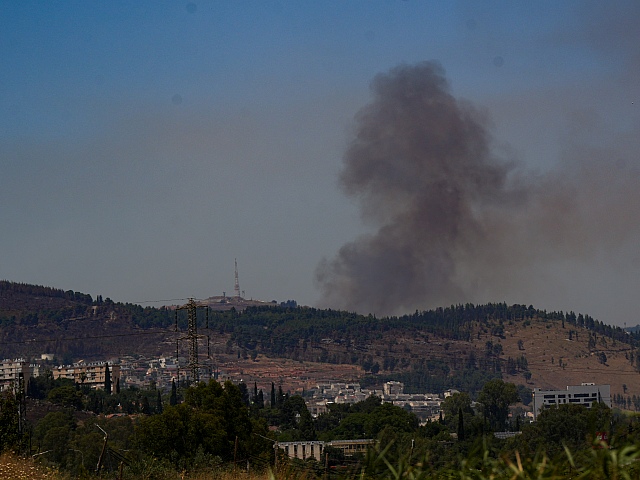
(209,427)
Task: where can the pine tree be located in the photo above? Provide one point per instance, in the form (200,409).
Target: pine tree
(159,403)
(173,399)
(460,425)
(306,425)
(280,397)
(10,436)
(107,379)
(144,405)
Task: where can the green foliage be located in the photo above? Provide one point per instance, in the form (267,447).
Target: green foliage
(10,435)
(66,396)
(295,419)
(199,435)
(496,396)
(40,386)
(173,399)
(483,464)
(107,379)
(364,419)
(525,394)
(567,425)
(451,405)
(209,421)
(52,435)
(298,332)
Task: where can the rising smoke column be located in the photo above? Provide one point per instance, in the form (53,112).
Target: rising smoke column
(454,224)
(421,167)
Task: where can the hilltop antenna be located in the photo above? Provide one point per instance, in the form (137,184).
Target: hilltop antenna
(237,287)
(192,336)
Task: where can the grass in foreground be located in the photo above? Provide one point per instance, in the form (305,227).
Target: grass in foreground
(13,467)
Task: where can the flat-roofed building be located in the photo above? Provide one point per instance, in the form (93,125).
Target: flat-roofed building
(303,449)
(91,374)
(12,370)
(586,394)
(351,447)
(393,388)
(313,449)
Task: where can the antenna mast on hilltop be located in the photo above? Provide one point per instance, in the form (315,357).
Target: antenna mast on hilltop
(237,287)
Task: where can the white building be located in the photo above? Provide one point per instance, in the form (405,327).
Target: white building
(314,449)
(393,388)
(11,370)
(586,394)
(303,449)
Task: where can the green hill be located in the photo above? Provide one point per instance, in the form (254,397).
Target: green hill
(459,347)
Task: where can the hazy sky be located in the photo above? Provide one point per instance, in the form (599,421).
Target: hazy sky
(145,145)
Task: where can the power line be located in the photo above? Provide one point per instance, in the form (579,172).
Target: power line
(89,337)
(103,304)
(160,301)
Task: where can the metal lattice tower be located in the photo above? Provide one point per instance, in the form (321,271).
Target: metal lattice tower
(237,286)
(192,337)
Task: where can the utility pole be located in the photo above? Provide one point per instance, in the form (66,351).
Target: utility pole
(192,337)
(275,460)
(235,454)
(104,449)
(326,465)
(21,400)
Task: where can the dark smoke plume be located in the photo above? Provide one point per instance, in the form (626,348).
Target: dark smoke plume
(454,222)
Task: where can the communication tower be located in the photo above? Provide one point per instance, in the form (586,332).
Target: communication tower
(237,287)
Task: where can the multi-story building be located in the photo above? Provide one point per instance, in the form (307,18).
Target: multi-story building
(12,370)
(586,394)
(91,374)
(392,388)
(424,405)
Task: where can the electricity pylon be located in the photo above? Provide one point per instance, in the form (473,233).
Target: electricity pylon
(192,337)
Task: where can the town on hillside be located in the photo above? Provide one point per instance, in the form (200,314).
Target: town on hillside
(161,373)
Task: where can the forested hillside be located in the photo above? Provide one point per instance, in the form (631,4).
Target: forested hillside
(459,346)
(277,329)
(456,347)
(36,319)
(472,348)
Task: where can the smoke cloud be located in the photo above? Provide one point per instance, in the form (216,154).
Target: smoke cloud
(452,221)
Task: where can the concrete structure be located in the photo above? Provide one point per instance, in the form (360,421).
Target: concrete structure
(505,435)
(303,450)
(351,447)
(450,392)
(393,388)
(586,394)
(92,374)
(10,371)
(317,407)
(424,405)
(314,449)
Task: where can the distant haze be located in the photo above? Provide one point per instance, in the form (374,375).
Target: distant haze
(146,145)
(454,222)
